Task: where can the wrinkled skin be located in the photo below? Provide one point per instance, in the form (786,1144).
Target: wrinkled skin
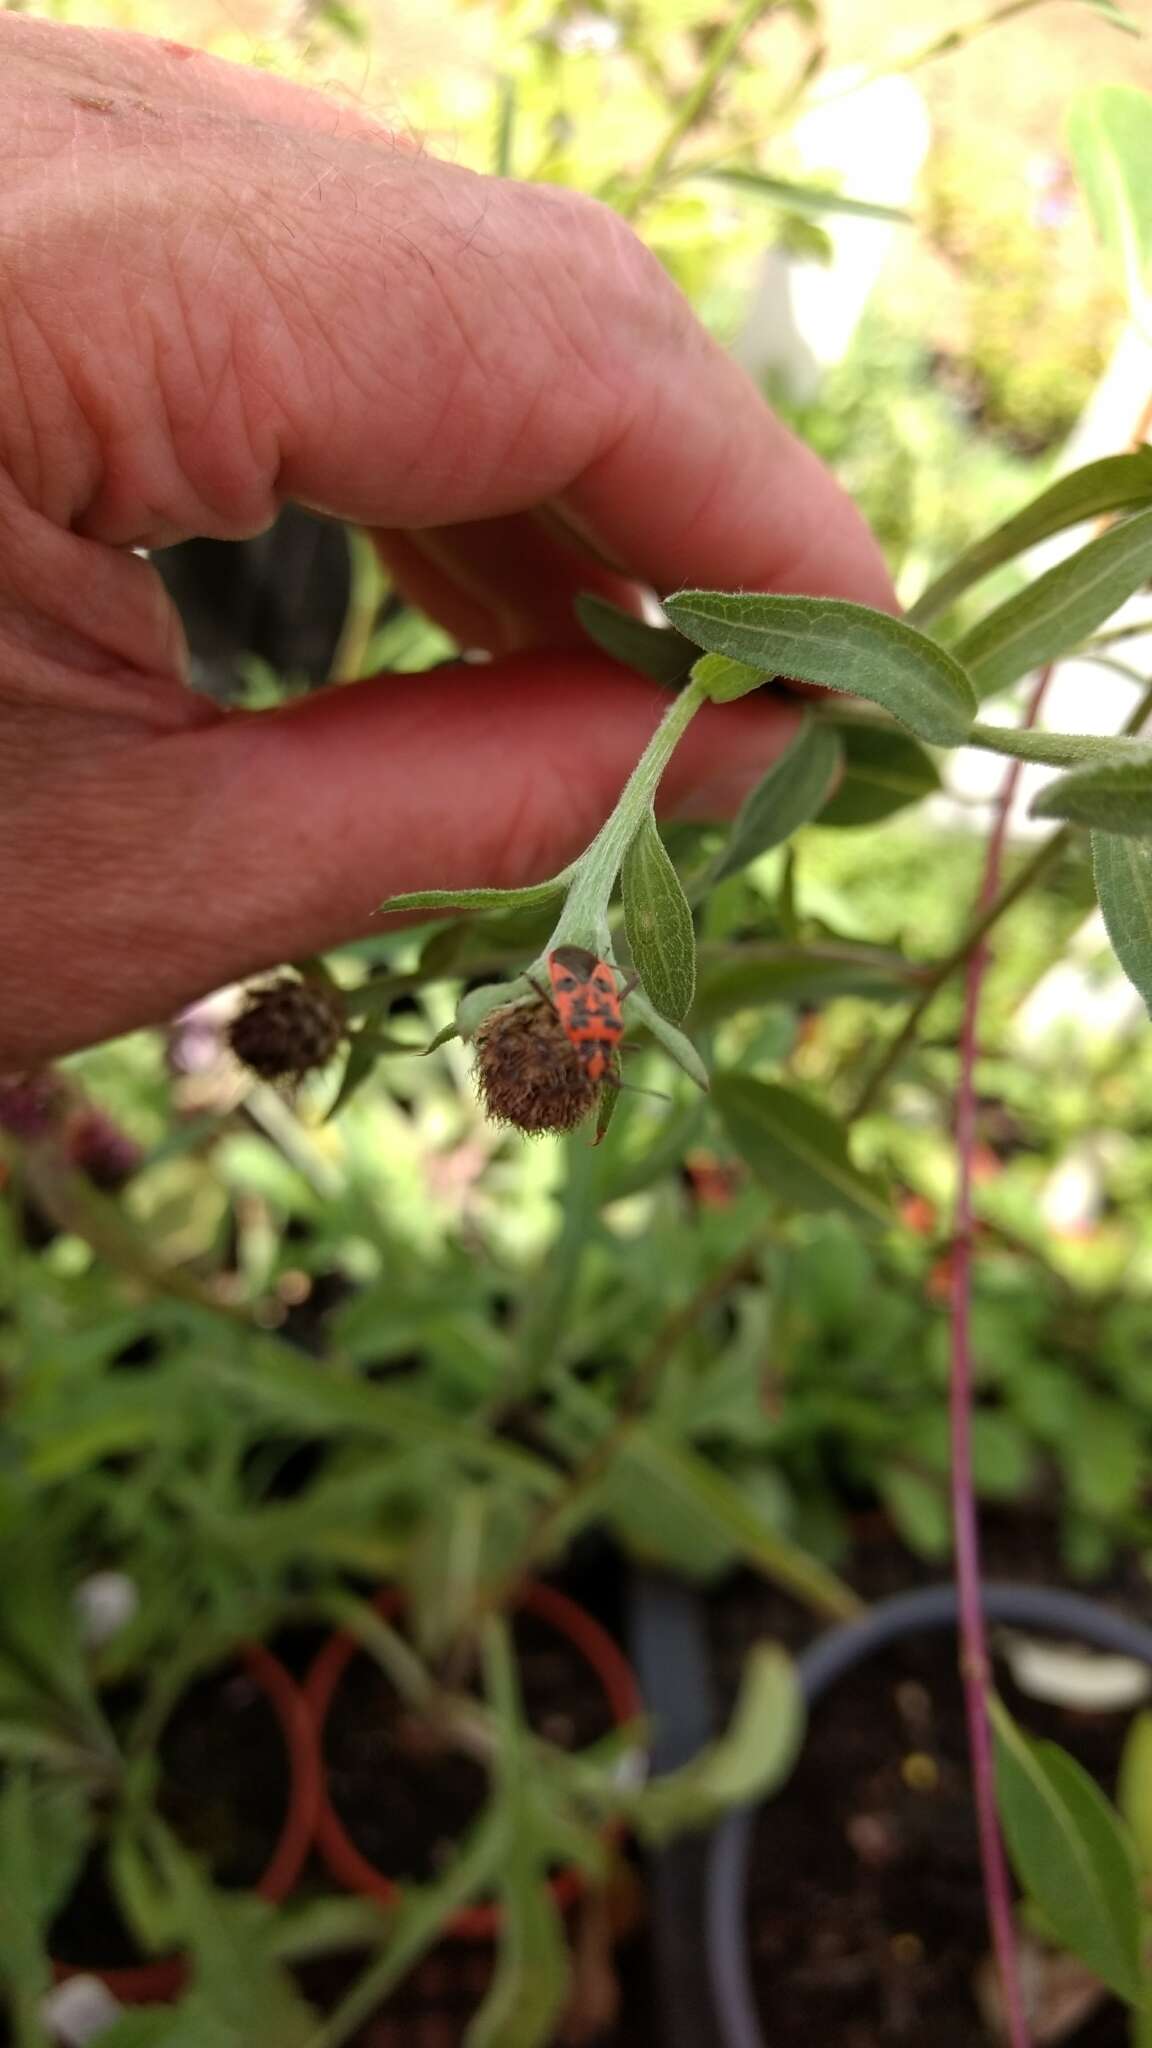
(218,291)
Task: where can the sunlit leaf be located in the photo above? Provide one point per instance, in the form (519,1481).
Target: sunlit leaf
(792,792)
(657,651)
(1123,869)
(1110,132)
(845,646)
(1117,483)
(816,200)
(795,1147)
(1071,1854)
(1134,1787)
(658,922)
(1114,796)
(1061,608)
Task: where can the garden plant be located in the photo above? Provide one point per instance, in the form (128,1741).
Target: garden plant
(658,1215)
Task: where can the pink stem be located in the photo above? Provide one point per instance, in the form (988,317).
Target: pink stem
(974,1664)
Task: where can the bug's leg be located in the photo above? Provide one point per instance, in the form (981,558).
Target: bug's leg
(631,981)
(541,992)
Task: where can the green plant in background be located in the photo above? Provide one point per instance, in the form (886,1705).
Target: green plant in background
(291,1360)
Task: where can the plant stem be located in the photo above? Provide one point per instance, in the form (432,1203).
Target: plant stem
(952,962)
(978,930)
(585,911)
(974,1665)
(695,104)
(800,1574)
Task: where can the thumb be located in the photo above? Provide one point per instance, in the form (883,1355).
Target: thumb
(148,871)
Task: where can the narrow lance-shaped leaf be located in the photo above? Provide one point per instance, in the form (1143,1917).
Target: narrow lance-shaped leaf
(658,923)
(670,1037)
(884,770)
(1110,131)
(1117,483)
(751,1758)
(795,789)
(707,1491)
(1062,749)
(1113,796)
(477,899)
(1123,869)
(657,651)
(816,200)
(1061,608)
(1071,1854)
(795,1147)
(723,680)
(844,646)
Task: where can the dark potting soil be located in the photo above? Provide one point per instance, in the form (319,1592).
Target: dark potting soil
(406,1799)
(223,1792)
(865,1910)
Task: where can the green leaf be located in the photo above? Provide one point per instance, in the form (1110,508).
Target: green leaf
(814,200)
(1061,749)
(706,1490)
(1108,11)
(670,1038)
(1116,483)
(1123,870)
(723,680)
(239,1996)
(799,974)
(1114,796)
(796,1148)
(752,1757)
(1061,608)
(44,1831)
(657,651)
(1110,132)
(844,646)
(413,1928)
(884,769)
(530,1983)
(918,1505)
(1134,1787)
(793,791)
(659,924)
(1071,1854)
(477,899)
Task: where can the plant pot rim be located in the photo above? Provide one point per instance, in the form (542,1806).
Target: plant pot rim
(344,1860)
(833,1654)
(162,1979)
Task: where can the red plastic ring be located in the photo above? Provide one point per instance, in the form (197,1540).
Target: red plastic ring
(343,1858)
(146,1983)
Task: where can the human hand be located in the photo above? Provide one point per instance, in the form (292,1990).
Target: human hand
(219,292)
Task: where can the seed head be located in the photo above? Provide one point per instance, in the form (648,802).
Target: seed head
(287,1029)
(528,1073)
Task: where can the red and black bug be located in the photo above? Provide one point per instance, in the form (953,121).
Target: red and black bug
(587,1001)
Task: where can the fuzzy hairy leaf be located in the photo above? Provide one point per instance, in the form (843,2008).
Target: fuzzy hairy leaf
(658,922)
(844,646)
(1123,869)
(1061,608)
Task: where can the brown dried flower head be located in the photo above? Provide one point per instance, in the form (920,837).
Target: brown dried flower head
(528,1073)
(287,1029)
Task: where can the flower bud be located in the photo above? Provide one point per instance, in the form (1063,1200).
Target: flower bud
(528,1073)
(288,1028)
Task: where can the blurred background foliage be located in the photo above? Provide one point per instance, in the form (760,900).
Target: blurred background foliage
(192,1303)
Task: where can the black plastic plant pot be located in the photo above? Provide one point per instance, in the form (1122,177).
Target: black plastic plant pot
(830,1658)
